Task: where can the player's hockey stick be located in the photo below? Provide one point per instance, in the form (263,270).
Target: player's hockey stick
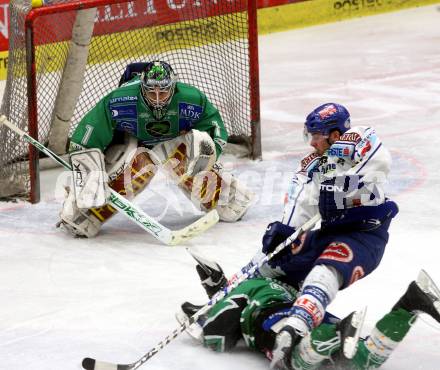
(92,364)
(124,206)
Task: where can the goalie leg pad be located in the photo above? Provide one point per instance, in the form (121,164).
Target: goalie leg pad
(235,199)
(134,178)
(223,192)
(128,178)
(80,223)
(186,155)
(207,190)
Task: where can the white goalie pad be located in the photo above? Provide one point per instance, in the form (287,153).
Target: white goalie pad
(89,178)
(235,198)
(80,223)
(83,222)
(119,156)
(200,152)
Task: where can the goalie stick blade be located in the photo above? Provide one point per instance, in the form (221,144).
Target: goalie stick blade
(91,364)
(201,225)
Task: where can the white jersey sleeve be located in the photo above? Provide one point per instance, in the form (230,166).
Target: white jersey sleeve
(361,154)
(358,154)
(301,201)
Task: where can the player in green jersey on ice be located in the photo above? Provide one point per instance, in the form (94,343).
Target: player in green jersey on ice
(151,119)
(256,310)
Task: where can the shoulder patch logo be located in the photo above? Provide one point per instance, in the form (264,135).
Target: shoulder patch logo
(352,137)
(189,114)
(305,162)
(190,111)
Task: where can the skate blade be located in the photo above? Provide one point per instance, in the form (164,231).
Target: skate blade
(425,282)
(195,331)
(351,343)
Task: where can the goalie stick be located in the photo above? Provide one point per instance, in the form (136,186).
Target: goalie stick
(92,364)
(124,206)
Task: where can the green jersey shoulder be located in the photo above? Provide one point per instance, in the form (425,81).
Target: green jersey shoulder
(124,109)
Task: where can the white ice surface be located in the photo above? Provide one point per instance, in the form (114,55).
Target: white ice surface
(114,297)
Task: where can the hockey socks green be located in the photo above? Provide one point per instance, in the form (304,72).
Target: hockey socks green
(316,347)
(385,337)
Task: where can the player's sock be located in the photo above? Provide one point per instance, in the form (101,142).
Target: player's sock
(422,295)
(315,348)
(383,340)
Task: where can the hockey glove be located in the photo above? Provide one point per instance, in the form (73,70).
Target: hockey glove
(212,277)
(202,153)
(275,234)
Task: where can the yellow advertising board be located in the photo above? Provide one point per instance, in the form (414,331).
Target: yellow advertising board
(314,12)
(294,15)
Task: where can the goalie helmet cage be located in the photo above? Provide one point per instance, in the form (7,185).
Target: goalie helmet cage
(211,44)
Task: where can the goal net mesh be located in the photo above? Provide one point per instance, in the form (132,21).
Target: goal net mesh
(205,41)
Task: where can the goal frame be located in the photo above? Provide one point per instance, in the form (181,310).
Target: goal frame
(31,71)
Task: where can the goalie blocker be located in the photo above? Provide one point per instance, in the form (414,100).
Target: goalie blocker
(189,159)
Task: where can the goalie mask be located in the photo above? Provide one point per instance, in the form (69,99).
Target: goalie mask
(158,81)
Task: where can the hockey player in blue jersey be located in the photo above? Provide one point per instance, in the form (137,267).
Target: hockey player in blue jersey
(342,179)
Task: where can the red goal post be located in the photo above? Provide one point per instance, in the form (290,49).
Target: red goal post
(65,56)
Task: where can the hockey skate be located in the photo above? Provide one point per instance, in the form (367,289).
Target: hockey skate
(422,295)
(187,310)
(286,340)
(211,274)
(349,330)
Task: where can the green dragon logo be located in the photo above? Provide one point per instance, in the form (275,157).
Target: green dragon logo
(157,72)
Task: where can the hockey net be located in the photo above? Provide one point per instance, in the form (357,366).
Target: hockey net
(65,56)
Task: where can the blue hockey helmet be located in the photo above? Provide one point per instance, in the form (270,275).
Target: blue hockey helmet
(326,118)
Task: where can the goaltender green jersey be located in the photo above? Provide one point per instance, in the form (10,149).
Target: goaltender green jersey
(124,109)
